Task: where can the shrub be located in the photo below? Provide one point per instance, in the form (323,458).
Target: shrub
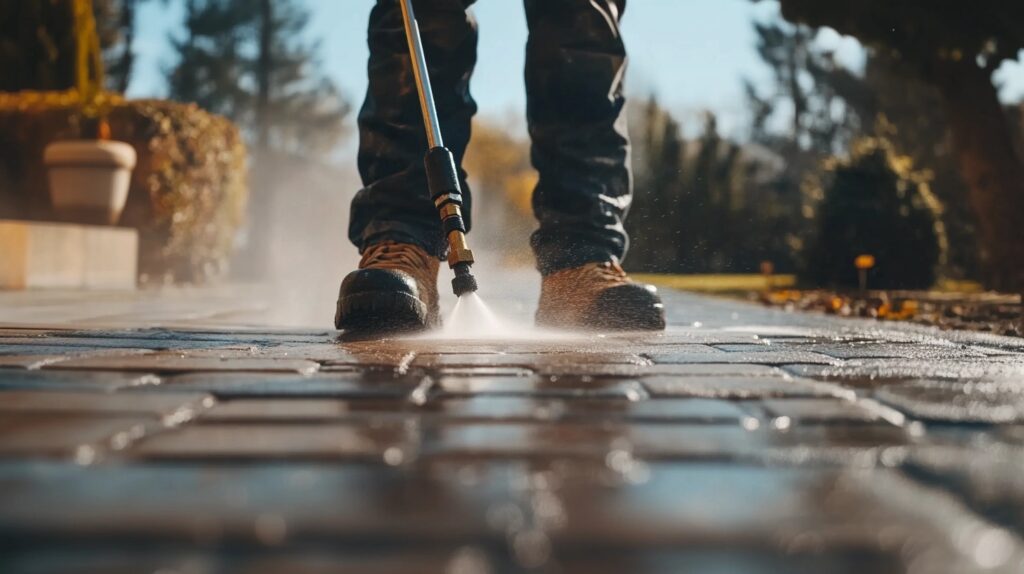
(188,191)
(874,203)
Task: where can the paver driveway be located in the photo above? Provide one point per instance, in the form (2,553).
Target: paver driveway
(143,437)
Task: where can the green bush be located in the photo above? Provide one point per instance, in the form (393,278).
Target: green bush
(188,191)
(874,203)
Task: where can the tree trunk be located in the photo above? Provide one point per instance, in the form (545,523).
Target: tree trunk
(264,66)
(991,167)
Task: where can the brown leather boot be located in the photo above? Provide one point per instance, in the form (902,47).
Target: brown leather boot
(394,289)
(599,296)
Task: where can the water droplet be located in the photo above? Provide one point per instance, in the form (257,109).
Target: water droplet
(394,456)
(85,455)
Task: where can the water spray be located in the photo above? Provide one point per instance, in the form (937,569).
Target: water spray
(442,176)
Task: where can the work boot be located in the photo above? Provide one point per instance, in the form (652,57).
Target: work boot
(599,296)
(394,289)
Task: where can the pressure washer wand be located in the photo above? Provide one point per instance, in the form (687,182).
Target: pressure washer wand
(442,177)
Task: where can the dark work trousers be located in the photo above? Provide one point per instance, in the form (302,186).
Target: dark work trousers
(575,63)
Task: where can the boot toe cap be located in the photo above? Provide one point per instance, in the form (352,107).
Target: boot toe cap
(633,306)
(381,300)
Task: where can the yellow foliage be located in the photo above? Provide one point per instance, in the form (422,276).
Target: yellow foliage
(497,160)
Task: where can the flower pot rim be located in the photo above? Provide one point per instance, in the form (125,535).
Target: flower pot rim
(90,152)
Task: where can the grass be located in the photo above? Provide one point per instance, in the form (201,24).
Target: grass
(716,283)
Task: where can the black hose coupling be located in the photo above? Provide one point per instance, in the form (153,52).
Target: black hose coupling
(443,184)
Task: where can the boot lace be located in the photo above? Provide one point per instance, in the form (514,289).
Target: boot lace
(608,272)
(393,255)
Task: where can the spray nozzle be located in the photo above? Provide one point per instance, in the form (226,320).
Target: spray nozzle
(443,183)
(463,282)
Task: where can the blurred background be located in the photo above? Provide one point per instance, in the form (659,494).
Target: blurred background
(771,137)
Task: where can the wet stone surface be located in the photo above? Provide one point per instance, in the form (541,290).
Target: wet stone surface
(740,440)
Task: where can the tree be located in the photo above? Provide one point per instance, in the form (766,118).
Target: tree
(38,45)
(876,204)
(703,205)
(116,20)
(248,60)
(956,49)
(898,106)
(807,85)
(656,223)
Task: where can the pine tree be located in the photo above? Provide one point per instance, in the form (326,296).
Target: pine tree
(248,60)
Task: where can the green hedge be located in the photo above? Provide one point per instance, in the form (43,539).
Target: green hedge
(188,192)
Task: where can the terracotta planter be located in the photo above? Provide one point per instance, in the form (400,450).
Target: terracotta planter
(89,179)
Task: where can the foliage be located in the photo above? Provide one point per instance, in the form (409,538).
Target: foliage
(502,181)
(188,191)
(874,203)
(955,49)
(924,33)
(898,106)
(808,85)
(246,59)
(703,206)
(50,46)
(803,119)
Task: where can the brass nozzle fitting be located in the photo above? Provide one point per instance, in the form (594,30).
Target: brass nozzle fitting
(458,250)
(443,183)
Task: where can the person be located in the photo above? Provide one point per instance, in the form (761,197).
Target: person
(575,63)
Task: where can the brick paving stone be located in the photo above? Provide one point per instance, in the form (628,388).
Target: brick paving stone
(1013,433)
(558,387)
(218,337)
(827,411)
(395,360)
(93,342)
(538,361)
(837,445)
(981,401)
(164,362)
(108,560)
(524,409)
(482,372)
(53,434)
(174,405)
(755,347)
(682,336)
(301,410)
(13,351)
(353,385)
(784,357)
(35,358)
(278,441)
(989,367)
(992,483)
(726,387)
(73,380)
(895,351)
(682,369)
(789,510)
(205,505)
(543,441)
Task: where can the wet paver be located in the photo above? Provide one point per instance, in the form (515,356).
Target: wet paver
(740,440)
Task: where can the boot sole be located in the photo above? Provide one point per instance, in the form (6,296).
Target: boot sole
(626,308)
(629,316)
(382,312)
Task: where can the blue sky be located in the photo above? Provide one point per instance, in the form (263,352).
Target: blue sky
(692,53)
